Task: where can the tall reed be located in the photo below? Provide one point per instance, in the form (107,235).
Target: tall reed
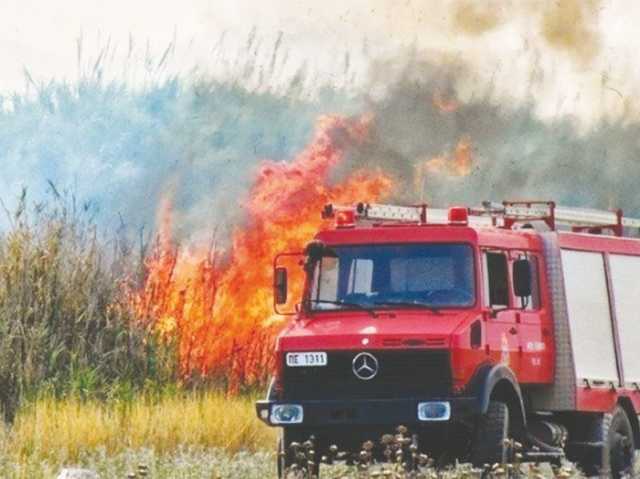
(64,326)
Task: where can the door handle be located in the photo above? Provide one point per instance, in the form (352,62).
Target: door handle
(513,330)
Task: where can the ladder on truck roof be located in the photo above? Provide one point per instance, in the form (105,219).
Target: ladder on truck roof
(501,215)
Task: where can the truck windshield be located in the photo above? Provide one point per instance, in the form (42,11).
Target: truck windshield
(382,276)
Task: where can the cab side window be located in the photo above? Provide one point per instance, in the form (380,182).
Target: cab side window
(496,280)
(533,302)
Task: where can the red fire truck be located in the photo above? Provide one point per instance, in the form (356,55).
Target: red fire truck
(469,326)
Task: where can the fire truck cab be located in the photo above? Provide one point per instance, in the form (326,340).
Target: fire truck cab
(468,326)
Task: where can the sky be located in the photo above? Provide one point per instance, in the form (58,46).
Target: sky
(576,57)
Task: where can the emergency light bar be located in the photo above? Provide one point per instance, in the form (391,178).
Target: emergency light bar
(346,216)
(392,212)
(456,215)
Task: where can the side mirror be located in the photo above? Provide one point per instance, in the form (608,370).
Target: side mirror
(522,278)
(280,285)
(314,250)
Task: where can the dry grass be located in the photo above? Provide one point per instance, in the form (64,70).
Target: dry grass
(176,435)
(62,431)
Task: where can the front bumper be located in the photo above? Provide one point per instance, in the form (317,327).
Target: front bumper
(392,412)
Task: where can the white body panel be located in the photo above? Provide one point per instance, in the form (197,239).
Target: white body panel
(625,278)
(589,316)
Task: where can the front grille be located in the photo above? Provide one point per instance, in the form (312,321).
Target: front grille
(401,374)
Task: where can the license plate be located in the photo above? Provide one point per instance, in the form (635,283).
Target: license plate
(306,359)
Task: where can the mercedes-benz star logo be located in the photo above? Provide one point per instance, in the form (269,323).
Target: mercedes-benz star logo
(365,366)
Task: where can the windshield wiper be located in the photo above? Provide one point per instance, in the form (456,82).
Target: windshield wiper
(348,305)
(413,304)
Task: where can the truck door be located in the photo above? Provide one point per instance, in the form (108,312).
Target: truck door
(502,329)
(534,327)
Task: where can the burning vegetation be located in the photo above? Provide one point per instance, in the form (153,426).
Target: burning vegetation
(457,164)
(215,304)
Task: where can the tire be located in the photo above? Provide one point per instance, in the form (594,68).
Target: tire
(615,458)
(488,445)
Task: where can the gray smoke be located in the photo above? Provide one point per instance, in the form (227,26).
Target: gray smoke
(122,148)
(515,155)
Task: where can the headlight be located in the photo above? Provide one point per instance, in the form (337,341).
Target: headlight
(286,414)
(434,411)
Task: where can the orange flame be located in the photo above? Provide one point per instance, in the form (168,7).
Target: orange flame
(458,164)
(444,103)
(217,306)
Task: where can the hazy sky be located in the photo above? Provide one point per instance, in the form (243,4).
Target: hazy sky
(576,56)
(548,59)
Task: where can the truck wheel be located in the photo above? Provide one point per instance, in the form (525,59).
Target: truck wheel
(616,458)
(488,446)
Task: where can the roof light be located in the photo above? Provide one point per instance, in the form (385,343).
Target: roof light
(345,218)
(458,215)
(327,211)
(391,212)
